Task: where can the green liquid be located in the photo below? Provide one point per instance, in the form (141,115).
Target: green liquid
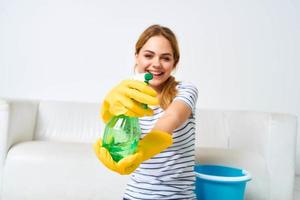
(121,136)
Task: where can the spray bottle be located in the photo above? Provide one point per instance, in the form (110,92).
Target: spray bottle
(122,133)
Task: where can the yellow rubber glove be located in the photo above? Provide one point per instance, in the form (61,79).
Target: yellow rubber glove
(152,144)
(125,166)
(127,98)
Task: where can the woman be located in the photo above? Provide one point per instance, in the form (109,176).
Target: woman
(163,167)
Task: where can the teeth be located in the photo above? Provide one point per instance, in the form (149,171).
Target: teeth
(156,73)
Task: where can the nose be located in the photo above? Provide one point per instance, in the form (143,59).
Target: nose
(156,62)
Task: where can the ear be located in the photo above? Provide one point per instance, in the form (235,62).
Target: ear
(174,70)
(136,58)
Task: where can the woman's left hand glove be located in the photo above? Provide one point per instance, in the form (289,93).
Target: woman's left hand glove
(127,98)
(124,167)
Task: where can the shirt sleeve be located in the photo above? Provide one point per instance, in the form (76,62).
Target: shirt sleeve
(188,93)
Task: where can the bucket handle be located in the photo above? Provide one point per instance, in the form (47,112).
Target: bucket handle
(246,177)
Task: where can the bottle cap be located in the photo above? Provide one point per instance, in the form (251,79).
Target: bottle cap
(148,76)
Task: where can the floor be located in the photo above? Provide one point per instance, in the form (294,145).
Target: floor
(297,188)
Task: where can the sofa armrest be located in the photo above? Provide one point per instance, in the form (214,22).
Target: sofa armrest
(17,124)
(22,121)
(272,135)
(281,154)
(3,136)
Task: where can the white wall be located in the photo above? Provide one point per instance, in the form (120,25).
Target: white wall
(240,54)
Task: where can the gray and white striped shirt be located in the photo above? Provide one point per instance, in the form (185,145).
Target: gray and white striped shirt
(170,174)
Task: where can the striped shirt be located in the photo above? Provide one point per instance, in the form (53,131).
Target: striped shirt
(170,174)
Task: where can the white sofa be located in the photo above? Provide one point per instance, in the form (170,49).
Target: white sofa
(46,152)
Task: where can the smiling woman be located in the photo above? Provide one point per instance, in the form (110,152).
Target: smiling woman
(163,166)
(157,52)
(156,57)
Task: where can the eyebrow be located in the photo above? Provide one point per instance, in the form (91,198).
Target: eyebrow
(164,54)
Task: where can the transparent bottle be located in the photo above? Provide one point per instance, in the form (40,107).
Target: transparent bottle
(121,136)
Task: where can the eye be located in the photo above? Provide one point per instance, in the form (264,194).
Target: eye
(166,58)
(148,56)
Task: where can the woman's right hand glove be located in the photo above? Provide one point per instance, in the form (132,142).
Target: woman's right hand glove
(150,145)
(127,98)
(124,167)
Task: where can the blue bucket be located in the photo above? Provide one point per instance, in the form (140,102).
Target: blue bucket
(214,182)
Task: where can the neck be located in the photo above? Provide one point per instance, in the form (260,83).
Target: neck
(157,89)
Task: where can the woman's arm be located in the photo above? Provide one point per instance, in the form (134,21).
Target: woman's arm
(175,115)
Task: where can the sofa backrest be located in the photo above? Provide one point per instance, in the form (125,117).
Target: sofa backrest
(68,122)
(247,130)
(80,122)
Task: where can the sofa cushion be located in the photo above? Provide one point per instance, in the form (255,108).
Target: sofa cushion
(45,170)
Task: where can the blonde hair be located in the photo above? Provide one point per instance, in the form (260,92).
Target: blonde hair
(169,90)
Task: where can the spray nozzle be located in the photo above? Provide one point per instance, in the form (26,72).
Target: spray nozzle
(147,77)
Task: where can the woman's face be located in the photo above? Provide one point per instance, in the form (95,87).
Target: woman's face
(156,57)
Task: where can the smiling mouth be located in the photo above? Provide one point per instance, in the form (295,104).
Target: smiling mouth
(156,74)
